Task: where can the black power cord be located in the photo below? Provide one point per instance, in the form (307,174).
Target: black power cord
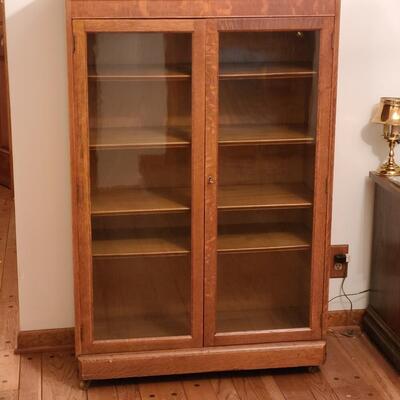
(348,332)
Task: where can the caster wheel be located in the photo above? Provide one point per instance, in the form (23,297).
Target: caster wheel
(313,369)
(84,385)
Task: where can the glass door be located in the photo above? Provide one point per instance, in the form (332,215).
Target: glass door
(142,144)
(265,274)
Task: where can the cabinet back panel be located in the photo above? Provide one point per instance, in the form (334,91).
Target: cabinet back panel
(150,168)
(255,47)
(252,285)
(140,104)
(251,165)
(277,101)
(135,297)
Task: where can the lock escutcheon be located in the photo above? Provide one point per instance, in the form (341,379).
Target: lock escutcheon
(211,180)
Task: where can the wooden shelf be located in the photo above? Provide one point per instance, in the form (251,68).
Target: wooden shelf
(139,72)
(139,201)
(143,243)
(141,326)
(231,135)
(125,138)
(261,319)
(265,70)
(264,196)
(251,238)
(231,239)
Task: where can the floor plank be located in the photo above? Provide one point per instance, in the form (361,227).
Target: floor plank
(381,361)
(343,375)
(272,387)
(9,363)
(293,385)
(9,395)
(30,384)
(365,362)
(251,386)
(9,282)
(224,387)
(60,378)
(199,389)
(162,390)
(128,391)
(9,371)
(319,386)
(106,391)
(9,323)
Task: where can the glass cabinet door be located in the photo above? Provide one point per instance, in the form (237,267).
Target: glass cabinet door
(267,135)
(141,146)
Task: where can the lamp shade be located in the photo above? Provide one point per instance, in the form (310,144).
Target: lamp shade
(388,112)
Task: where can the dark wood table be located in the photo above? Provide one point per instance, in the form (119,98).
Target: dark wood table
(382,319)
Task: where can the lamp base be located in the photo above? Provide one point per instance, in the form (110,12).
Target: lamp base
(389,169)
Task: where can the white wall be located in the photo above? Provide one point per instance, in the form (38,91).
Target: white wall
(369,68)
(38,86)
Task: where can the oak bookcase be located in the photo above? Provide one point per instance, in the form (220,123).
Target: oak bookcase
(202,147)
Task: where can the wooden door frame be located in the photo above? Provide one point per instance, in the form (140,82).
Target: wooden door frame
(322,200)
(85,343)
(6,153)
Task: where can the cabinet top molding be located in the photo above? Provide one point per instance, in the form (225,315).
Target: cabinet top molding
(200,8)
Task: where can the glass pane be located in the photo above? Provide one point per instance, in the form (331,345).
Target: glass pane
(267,133)
(140,166)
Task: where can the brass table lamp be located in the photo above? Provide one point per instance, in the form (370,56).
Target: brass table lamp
(388,115)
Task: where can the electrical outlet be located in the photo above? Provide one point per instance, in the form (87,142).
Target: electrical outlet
(339,261)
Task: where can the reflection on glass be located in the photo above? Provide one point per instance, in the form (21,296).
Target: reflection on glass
(140,165)
(267,133)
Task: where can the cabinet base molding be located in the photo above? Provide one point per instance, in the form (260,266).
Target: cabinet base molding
(383,336)
(47,340)
(212,359)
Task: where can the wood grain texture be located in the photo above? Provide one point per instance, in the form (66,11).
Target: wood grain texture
(30,381)
(341,373)
(8,274)
(60,377)
(328,215)
(9,368)
(201,360)
(45,340)
(345,318)
(198,8)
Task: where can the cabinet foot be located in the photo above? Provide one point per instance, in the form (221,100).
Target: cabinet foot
(84,385)
(313,369)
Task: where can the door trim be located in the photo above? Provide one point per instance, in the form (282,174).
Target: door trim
(322,167)
(81,186)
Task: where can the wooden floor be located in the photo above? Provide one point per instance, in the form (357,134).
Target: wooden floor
(354,369)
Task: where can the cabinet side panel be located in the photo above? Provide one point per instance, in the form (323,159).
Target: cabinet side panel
(70,49)
(81,189)
(335,46)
